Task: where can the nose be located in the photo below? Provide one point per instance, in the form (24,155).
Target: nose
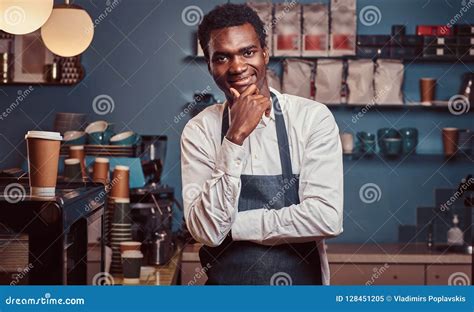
(238,65)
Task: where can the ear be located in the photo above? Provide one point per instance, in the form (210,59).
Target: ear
(266,55)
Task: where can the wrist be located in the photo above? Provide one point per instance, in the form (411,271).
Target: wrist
(235,138)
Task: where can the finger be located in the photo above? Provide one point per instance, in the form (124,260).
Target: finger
(235,93)
(250,90)
(256,97)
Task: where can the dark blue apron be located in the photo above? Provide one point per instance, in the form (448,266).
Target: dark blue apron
(247,263)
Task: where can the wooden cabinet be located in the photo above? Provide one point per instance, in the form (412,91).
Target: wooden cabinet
(377,274)
(448,274)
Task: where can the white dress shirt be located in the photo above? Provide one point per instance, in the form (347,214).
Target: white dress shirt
(211,173)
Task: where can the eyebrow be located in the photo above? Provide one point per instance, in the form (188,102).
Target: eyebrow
(242,50)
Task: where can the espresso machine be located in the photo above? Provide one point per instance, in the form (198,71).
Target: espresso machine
(152,205)
(44,241)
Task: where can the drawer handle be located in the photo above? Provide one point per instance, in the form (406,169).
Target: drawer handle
(395,277)
(437,276)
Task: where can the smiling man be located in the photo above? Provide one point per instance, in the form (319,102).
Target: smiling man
(262,173)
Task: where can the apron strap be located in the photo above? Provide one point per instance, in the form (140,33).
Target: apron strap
(282,137)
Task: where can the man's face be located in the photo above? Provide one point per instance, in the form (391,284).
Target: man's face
(236,59)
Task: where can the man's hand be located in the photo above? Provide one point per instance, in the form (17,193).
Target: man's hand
(246,111)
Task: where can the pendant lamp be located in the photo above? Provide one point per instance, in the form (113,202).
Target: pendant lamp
(68,31)
(21,17)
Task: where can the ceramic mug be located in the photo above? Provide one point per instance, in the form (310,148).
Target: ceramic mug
(125,138)
(95,132)
(75,138)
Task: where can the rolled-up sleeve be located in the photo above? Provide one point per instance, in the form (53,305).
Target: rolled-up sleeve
(319,214)
(211,184)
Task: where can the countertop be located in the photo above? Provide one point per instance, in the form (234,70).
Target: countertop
(166,275)
(373,253)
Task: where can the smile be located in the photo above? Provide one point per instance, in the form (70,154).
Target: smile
(242,81)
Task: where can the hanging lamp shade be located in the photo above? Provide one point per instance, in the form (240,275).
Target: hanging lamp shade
(68,31)
(21,17)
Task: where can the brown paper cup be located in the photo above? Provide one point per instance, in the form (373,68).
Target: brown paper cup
(77,151)
(120,182)
(427,90)
(101,171)
(124,246)
(450,141)
(43,157)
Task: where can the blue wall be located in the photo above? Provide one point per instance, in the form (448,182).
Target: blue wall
(138,57)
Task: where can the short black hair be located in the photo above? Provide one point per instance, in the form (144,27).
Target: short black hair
(228,15)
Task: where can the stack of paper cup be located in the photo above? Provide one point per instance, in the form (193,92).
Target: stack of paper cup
(43,158)
(119,193)
(120,231)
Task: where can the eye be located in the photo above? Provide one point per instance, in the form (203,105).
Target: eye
(249,53)
(220,59)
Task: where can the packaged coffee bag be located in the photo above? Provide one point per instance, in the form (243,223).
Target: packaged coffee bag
(287,32)
(388,82)
(315,30)
(343,28)
(328,81)
(265,12)
(360,82)
(298,77)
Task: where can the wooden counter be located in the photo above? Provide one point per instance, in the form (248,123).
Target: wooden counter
(166,275)
(392,253)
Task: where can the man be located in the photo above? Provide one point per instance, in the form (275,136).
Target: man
(262,174)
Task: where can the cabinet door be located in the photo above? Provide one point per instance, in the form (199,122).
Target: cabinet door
(192,273)
(377,274)
(448,274)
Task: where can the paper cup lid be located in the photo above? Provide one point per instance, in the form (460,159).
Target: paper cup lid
(71,161)
(102,160)
(76,147)
(132,254)
(47,135)
(120,167)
